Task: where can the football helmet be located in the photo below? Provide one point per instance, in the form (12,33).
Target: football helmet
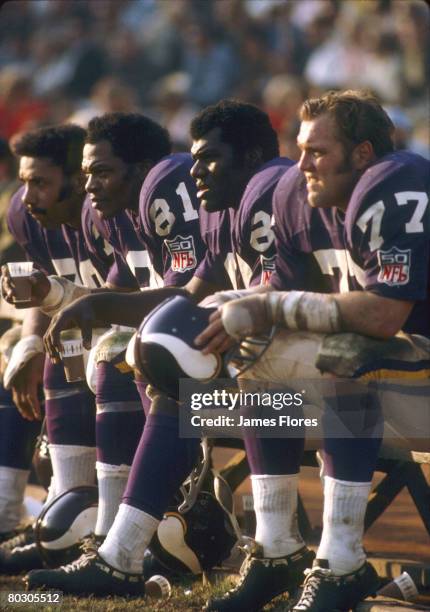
(64,522)
(194,541)
(164,350)
(196,532)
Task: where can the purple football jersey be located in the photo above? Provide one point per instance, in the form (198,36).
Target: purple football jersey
(310,244)
(387,227)
(128,270)
(381,244)
(240,244)
(217,267)
(60,251)
(252,235)
(168,221)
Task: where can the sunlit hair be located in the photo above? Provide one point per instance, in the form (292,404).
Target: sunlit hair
(133,136)
(244,126)
(61,144)
(358,116)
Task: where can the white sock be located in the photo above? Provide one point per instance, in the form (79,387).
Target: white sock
(343,524)
(112,480)
(72,466)
(128,538)
(275,505)
(12,486)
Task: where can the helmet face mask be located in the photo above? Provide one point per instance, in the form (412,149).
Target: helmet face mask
(242,356)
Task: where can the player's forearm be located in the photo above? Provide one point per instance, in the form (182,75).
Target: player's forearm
(34,323)
(128,308)
(360,312)
(369,314)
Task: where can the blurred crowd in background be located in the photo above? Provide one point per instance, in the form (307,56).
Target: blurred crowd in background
(68,60)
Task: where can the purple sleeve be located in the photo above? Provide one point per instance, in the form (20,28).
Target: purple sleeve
(120,275)
(291,265)
(216,234)
(168,209)
(100,242)
(388,228)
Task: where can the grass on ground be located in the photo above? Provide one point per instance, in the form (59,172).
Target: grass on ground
(188,596)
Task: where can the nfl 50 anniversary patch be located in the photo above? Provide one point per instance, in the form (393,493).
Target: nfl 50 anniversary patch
(182,252)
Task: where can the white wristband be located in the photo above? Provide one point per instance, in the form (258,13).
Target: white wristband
(62,293)
(54,296)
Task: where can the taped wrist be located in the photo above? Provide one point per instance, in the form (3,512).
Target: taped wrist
(23,351)
(62,293)
(304,310)
(221,297)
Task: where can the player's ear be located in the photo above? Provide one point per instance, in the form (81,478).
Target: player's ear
(253,157)
(363,154)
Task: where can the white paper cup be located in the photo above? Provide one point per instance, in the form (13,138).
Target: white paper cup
(20,272)
(72,355)
(402,587)
(158,587)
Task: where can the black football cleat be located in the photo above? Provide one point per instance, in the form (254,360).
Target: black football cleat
(27,556)
(20,559)
(323,591)
(18,537)
(262,579)
(88,575)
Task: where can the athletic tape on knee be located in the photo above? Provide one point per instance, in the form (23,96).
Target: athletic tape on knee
(62,293)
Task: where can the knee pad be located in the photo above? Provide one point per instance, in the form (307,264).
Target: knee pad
(352,355)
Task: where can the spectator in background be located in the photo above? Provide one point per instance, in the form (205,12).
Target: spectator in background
(174,111)
(229,49)
(285,42)
(20,109)
(405,137)
(255,63)
(282,97)
(109,95)
(412,28)
(380,68)
(212,64)
(9,183)
(131,65)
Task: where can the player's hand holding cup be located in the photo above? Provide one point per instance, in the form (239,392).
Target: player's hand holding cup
(22,285)
(72,355)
